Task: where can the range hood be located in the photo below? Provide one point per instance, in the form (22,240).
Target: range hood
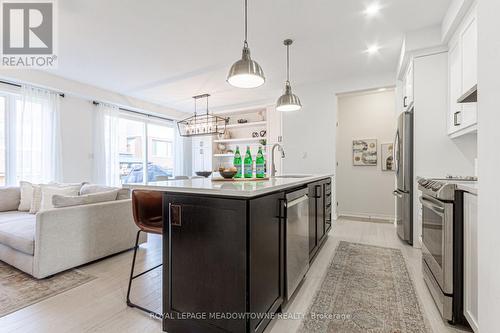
(470,96)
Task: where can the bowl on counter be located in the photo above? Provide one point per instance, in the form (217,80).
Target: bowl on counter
(228,174)
(205,174)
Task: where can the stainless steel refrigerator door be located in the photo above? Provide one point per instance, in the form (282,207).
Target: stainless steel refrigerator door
(404,215)
(404,151)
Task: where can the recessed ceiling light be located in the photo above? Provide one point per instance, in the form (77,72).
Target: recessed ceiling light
(372,9)
(372,49)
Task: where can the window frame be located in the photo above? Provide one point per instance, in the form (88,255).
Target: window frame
(147,120)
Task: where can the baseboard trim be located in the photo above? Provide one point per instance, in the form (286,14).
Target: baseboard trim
(374,219)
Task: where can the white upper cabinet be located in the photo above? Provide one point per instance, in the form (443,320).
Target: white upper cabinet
(455,87)
(462,67)
(408,86)
(469,54)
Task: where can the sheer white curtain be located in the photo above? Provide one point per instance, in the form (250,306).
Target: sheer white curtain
(35,137)
(179,165)
(106,168)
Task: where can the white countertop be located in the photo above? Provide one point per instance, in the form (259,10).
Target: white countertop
(245,189)
(470,187)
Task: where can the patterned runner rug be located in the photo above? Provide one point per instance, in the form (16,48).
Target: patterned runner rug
(366,289)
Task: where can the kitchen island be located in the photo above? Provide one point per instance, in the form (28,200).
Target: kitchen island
(225,249)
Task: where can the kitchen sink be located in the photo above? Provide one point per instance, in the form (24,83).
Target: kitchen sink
(292,176)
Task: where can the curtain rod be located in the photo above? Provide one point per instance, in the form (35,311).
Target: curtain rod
(19,86)
(137,112)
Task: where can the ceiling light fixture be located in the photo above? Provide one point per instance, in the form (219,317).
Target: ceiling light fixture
(288,101)
(372,49)
(372,10)
(246,73)
(204,124)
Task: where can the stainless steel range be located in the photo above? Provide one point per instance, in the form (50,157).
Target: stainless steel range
(442,243)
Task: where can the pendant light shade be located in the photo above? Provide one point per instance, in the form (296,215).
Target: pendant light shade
(246,73)
(288,101)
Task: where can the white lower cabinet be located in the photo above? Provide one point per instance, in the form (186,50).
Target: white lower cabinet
(470,261)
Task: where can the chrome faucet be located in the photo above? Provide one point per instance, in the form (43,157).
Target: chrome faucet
(273,166)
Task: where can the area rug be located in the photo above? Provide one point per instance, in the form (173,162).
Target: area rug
(366,289)
(18,289)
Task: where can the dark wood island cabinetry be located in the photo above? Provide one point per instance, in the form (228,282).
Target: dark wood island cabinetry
(224,252)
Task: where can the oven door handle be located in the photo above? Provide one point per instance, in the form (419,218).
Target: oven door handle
(429,204)
(397,194)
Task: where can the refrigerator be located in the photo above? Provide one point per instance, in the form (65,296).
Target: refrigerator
(403,164)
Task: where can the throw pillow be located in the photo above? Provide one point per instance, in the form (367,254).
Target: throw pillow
(48,191)
(36,199)
(10,198)
(60,201)
(123,193)
(26,196)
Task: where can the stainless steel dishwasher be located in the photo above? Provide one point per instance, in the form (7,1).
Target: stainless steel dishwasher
(297,238)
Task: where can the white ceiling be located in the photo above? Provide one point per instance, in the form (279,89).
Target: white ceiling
(166,51)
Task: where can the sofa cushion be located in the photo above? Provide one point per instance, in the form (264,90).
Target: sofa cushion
(14,215)
(26,196)
(60,201)
(19,234)
(48,192)
(123,193)
(10,198)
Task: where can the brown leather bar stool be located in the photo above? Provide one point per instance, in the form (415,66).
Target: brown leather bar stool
(147,207)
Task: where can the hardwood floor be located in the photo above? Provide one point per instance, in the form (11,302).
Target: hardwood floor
(99,306)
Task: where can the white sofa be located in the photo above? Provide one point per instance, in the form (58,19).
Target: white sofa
(58,239)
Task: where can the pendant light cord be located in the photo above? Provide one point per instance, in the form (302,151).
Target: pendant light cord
(288,64)
(246,25)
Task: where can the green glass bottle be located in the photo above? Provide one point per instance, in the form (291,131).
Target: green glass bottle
(237,162)
(248,164)
(260,164)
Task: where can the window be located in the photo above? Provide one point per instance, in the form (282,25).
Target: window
(143,141)
(29,137)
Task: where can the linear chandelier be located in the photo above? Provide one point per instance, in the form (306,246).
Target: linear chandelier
(204,124)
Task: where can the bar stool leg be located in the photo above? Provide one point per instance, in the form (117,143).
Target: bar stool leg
(129,303)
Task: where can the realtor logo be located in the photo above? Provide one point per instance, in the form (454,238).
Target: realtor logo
(28,33)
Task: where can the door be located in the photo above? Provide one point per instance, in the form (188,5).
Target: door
(437,240)
(320,212)
(267,253)
(403,152)
(455,88)
(205,260)
(404,215)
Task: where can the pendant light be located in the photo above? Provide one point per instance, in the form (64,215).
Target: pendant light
(246,73)
(288,101)
(204,124)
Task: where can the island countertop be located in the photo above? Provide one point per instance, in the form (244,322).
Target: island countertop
(240,188)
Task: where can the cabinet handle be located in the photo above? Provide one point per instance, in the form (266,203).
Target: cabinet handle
(404,101)
(456,120)
(175,213)
(281,204)
(316,195)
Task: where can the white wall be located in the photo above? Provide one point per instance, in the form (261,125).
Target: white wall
(309,134)
(489,165)
(365,191)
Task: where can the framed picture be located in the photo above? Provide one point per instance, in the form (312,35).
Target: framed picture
(387,156)
(364,152)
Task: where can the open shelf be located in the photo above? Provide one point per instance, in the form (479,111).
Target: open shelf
(240,140)
(248,124)
(232,155)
